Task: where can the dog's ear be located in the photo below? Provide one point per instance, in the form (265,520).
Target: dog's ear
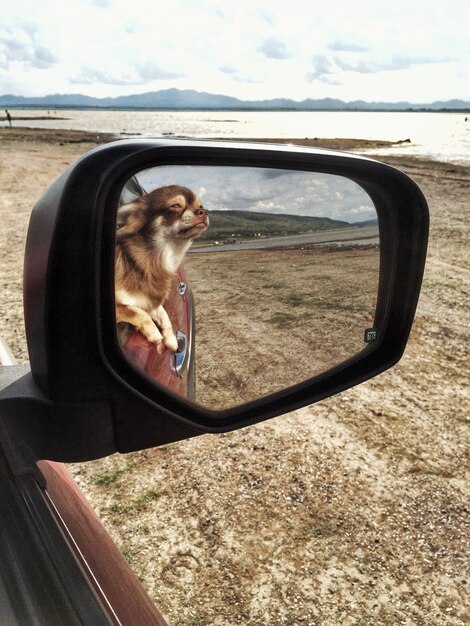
(130,218)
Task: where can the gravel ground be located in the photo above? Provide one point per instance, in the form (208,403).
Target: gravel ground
(351,512)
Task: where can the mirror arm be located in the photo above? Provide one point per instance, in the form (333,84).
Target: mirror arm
(32,427)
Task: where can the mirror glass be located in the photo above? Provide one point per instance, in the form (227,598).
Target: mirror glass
(237,282)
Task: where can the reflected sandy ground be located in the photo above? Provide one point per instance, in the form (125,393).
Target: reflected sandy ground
(266,319)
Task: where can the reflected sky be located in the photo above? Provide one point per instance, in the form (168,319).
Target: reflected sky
(267,190)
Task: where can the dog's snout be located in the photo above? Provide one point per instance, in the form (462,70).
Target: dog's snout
(200,212)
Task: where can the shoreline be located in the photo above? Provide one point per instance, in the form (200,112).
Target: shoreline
(57,135)
(234,109)
(347,144)
(54,135)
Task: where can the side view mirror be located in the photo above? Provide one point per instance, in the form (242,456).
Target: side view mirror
(178,287)
(282,267)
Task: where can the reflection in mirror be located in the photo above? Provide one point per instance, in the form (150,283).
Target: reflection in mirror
(236,282)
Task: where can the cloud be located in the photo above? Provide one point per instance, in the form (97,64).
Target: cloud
(274,49)
(340,45)
(226,69)
(220,13)
(397,62)
(322,66)
(268,18)
(328,68)
(323,69)
(249,80)
(19,45)
(139,75)
(151,71)
(90,76)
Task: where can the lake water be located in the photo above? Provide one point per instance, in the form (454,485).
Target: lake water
(443,136)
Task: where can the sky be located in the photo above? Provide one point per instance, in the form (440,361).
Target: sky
(374,50)
(267,191)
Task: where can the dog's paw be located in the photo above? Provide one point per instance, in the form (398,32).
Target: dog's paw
(151,333)
(171,342)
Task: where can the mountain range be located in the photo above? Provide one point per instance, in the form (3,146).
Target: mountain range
(198,100)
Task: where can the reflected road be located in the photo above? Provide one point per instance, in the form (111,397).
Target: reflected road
(355,236)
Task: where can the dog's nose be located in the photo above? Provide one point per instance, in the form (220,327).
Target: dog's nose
(200,212)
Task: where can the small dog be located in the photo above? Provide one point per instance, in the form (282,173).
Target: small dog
(154,233)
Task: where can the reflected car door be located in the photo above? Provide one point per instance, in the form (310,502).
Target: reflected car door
(175,371)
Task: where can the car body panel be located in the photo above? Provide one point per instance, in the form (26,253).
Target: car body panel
(41,581)
(108,572)
(58,563)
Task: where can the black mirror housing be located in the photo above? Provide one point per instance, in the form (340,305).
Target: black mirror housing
(69,292)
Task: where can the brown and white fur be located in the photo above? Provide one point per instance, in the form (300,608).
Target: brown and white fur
(154,233)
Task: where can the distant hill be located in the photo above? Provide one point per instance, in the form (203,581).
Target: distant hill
(228,225)
(199,100)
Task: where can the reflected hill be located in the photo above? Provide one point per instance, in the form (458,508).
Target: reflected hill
(228,225)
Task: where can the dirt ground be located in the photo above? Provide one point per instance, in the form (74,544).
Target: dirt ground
(351,512)
(269,319)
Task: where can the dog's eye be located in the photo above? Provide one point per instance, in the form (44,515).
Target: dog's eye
(175,207)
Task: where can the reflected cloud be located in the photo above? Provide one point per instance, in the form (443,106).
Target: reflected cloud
(269,190)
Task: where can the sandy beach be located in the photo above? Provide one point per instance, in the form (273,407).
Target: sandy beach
(352,511)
